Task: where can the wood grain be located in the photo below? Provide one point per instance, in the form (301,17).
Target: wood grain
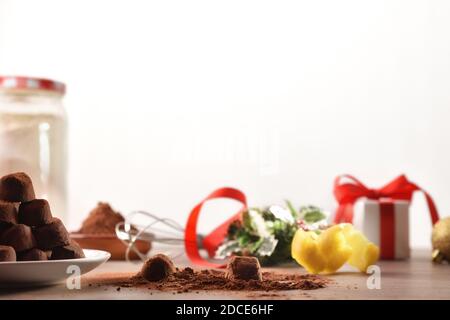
(416,278)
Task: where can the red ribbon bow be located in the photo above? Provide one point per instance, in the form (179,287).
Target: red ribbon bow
(400,188)
(215,238)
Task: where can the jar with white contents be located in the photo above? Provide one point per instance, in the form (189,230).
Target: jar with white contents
(33,129)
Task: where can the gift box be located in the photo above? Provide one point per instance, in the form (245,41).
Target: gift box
(385,222)
(383,214)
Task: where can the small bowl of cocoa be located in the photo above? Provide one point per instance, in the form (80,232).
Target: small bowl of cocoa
(98,231)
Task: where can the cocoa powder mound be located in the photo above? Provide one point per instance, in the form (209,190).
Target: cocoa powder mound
(187,279)
(101,220)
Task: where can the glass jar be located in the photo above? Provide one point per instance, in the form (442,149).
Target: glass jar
(33,129)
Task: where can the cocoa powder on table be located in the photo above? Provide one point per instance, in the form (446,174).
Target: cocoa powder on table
(187,279)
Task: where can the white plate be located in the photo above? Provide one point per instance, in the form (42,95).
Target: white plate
(34,273)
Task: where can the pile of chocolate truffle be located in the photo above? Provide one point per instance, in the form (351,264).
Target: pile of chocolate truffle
(28,231)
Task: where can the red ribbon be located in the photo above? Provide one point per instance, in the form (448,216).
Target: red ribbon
(387,229)
(399,189)
(216,237)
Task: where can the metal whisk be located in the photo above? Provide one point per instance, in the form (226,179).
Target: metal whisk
(158,230)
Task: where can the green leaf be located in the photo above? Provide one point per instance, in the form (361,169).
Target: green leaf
(267,215)
(313,216)
(246,220)
(244,239)
(253,247)
(292,209)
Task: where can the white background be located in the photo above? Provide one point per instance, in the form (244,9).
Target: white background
(168,100)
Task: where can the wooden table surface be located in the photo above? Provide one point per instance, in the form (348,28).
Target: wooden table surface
(416,278)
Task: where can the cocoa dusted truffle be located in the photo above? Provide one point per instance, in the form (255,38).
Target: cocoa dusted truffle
(8,213)
(243,268)
(51,235)
(16,187)
(35,213)
(157,268)
(7,254)
(18,236)
(32,255)
(70,251)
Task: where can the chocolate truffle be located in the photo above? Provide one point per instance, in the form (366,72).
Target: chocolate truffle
(35,213)
(16,187)
(243,268)
(7,254)
(8,213)
(71,251)
(18,236)
(157,268)
(34,254)
(4,227)
(51,235)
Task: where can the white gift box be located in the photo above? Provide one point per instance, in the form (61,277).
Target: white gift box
(385,222)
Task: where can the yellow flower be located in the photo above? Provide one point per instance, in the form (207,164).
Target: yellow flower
(305,251)
(365,253)
(329,251)
(333,246)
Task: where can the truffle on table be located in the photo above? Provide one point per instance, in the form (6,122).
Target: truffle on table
(51,235)
(16,187)
(70,251)
(157,268)
(8,213)
(35,213)
(7,253)
(18,236)
(243,268)
(34,254)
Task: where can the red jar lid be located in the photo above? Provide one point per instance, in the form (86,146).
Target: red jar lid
(30,83)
